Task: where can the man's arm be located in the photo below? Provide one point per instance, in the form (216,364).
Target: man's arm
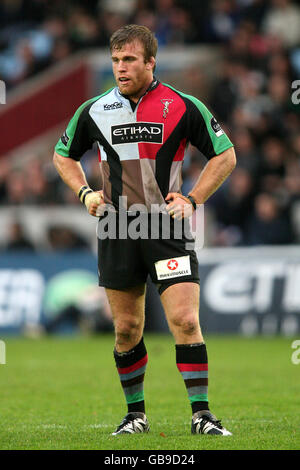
(212,176)
(72,174)
(70,171)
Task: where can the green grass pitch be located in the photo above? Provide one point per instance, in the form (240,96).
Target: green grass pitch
(64,393)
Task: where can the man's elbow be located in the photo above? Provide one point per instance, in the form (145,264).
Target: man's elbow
(58,161)
(231,159)
(55,159)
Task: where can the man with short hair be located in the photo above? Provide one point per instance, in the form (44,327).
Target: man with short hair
(142,128)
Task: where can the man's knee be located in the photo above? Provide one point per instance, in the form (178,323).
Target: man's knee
(186,323)
(128,331)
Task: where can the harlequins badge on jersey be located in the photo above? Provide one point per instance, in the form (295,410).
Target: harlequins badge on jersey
(166,104)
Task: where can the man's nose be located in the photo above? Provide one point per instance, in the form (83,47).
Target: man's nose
(121,65)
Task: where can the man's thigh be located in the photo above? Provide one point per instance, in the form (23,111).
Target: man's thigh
(127,302)
(128,311)
(181,299)
(181,305)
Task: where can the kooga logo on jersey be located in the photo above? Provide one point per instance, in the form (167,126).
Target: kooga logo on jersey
(151,132)
(115,105)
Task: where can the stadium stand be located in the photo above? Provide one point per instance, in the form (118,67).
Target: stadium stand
(250,92)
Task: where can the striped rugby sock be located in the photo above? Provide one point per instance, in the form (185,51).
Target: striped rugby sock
(131,367)
(191,362)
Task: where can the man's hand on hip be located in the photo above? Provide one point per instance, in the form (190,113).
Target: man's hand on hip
(91,199)
(179,207)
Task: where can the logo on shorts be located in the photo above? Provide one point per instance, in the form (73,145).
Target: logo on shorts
(174,267)
(172,264)
(151,132)
(166,104)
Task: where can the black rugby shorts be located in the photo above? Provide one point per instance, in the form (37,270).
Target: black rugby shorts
(127,262)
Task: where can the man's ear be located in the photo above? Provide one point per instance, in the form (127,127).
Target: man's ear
(151,63)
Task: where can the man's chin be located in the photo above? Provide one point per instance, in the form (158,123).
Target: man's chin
(127,90)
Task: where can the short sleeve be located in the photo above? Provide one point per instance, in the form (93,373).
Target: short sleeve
(204,131)
(76,139)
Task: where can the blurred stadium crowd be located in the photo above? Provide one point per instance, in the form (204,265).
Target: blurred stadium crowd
(251,97)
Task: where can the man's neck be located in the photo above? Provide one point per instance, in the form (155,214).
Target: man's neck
(135,98)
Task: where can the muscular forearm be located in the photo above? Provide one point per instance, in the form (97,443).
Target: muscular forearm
(73,175)
(213,175)
(70,171)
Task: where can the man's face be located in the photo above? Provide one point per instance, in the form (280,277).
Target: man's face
(132,74)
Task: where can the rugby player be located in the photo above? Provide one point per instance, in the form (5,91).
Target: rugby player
(141,128)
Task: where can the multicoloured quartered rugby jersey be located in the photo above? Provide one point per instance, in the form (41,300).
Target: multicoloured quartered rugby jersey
(141,150)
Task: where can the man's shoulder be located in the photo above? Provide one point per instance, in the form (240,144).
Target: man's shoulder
(185,96)
(88,103)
